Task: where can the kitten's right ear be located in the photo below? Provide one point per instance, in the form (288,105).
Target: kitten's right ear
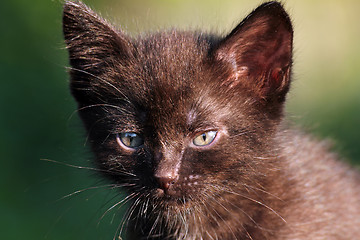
(94,46)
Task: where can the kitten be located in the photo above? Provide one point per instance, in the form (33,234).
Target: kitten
(191,125)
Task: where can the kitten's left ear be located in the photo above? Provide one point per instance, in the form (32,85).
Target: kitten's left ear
(258,53)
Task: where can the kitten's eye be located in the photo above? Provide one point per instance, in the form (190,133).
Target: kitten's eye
(205,138)
(129,139)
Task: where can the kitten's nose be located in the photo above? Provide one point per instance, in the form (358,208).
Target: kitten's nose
(165,182)
(167,169)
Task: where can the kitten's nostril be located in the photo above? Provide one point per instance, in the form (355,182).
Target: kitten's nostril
(165,182)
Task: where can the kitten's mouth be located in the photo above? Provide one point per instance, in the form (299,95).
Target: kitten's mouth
(170,197)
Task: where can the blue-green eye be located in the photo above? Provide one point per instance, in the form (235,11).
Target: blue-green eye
(204,138)
(129,139)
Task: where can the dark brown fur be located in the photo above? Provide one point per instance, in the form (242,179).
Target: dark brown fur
(257,180)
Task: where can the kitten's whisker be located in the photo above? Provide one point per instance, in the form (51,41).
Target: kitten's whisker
(93,127)
(247,233)
(145,207)
(103,105)
(200,224)
(117,171)
(83,190)
(120,204)
(209,212)
(244,212)
(69,165)
(223,188)
(262,190)
(221,205)
(130,212)
(241,133)
(102,80)
(107,137)
(154,226)
(256,201)
(125,217)
(263,158)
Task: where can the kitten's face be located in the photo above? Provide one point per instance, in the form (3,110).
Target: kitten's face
(181,118)
(171,126)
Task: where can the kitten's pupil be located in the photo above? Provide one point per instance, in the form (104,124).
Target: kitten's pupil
(130,139)
(205,138)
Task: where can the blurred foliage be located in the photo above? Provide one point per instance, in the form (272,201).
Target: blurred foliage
(38,118)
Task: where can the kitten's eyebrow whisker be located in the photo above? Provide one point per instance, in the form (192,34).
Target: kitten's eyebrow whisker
(91,128)
(102,80)
(122,110)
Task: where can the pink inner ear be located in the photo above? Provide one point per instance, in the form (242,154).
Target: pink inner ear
(259,52)
(235,78)
(276,76)
(241,72)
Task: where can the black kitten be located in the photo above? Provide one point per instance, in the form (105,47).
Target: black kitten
(191,124)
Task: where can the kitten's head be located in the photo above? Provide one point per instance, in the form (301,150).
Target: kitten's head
(181,117)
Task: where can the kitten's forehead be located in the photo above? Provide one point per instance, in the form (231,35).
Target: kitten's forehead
(173,58)
(171,65)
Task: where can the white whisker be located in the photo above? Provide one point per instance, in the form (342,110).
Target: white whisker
(118,204)
(83,190)
(102,80)
(117,171)
(256,201)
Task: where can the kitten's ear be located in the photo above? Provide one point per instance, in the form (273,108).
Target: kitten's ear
(258,53)
(94,46)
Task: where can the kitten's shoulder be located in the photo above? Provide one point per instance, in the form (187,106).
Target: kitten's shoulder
(305,151)
(327,189)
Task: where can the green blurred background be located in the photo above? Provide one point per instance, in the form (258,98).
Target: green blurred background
(37,118)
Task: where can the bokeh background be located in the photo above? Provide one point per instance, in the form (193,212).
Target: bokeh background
(42,199)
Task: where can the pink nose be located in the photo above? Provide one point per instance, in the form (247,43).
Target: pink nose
(165,182)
